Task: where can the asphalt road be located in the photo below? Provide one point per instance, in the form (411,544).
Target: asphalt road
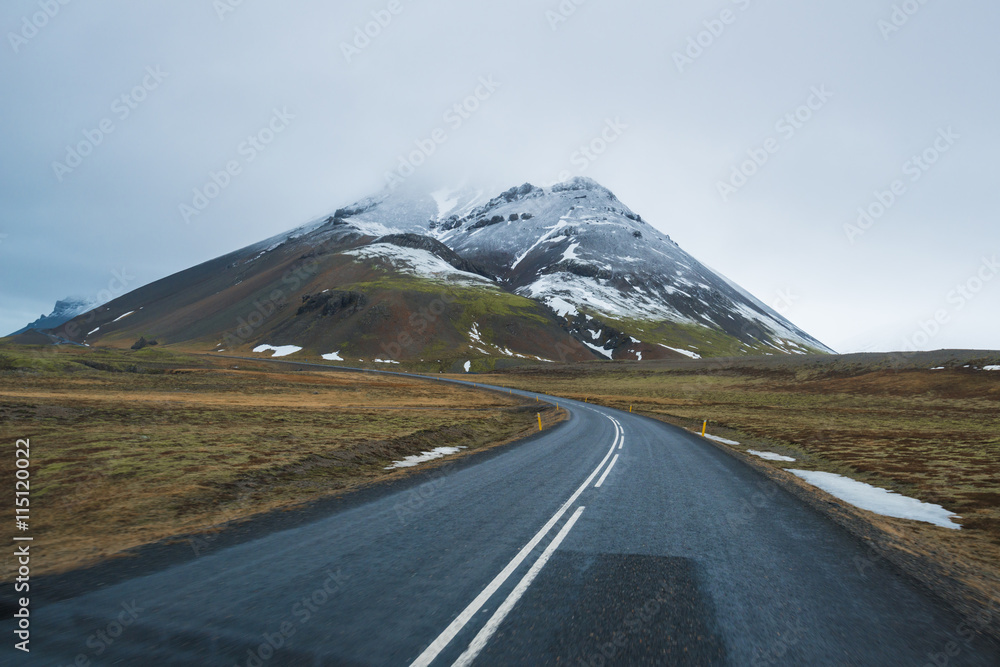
(611,539)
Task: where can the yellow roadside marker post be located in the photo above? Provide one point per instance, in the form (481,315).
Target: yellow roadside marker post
(703,428)
(539,420)
(630,408)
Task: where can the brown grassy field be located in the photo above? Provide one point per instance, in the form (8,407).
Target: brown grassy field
(930,434)
(132,447)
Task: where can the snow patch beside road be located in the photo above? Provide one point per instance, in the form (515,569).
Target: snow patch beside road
(280,350)
(770,456)
(878,500)
(423,457)
(722,440)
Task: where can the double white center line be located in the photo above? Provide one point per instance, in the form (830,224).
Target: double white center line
(620,439)
(484,635)
(479,642)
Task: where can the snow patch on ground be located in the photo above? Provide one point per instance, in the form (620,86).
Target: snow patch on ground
(722,440)
(570,253)
(991,368)
(423,457)
(333,356)
(467,366)
(385,361)
(880,501)
(770,456)
(279,350)
(94,331)
(474,333)
(686,353)
(122,317)
(599,350)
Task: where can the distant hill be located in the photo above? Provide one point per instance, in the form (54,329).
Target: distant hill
(64,310)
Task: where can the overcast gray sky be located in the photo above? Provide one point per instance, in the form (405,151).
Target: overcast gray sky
(697,88)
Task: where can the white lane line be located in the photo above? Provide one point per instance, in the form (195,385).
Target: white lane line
(438,645)
(479,642)
(617,444)
(605,475)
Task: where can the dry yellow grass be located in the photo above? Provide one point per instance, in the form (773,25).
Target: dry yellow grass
(121,459)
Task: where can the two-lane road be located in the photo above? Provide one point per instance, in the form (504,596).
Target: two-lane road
(611,539)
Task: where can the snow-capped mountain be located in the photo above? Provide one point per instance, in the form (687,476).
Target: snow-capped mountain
(64,310)
(579,250)
(457,276)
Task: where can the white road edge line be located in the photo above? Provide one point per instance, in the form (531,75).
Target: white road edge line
(622,442)
(479,642)
(605,475)
(438,645)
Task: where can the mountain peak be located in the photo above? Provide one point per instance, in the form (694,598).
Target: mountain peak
(583,183)
(64,310)
(565,271)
